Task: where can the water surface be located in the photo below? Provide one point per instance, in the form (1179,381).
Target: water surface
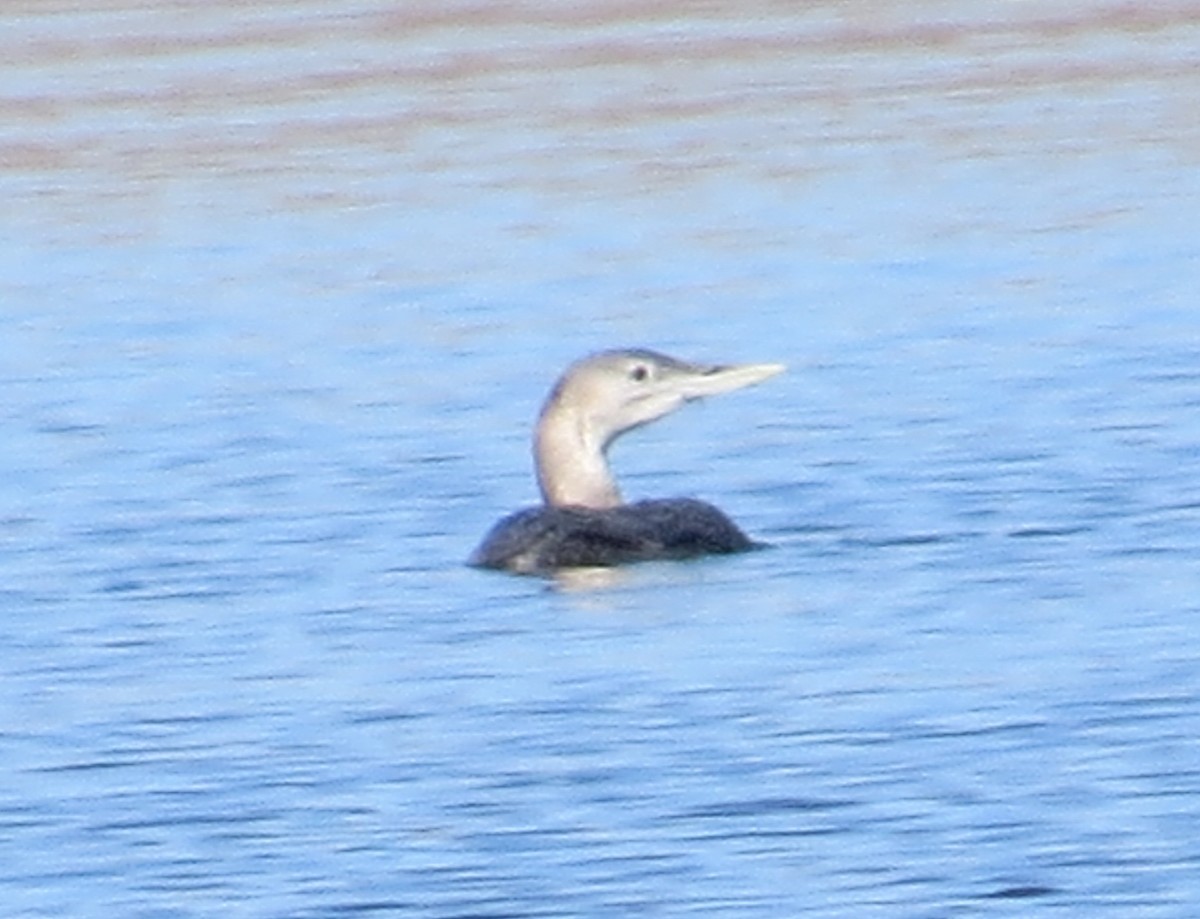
(281,289)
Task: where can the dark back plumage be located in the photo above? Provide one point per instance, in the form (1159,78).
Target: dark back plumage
(542,539)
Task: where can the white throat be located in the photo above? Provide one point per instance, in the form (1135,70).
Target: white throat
(572,468)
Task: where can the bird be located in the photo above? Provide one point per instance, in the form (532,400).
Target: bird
(583,521)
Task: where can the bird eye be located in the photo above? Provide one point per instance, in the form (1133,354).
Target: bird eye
(639,373)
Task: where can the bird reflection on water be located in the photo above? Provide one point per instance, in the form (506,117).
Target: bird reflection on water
(583,521)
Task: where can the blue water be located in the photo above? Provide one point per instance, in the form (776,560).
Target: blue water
(281,289)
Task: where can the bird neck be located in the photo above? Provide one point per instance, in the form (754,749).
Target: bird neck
(572,468)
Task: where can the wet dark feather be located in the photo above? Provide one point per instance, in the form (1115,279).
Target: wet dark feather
(542,539)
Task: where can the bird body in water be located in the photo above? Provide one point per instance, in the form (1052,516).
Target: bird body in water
(583,521)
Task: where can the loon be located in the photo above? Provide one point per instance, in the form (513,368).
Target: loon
(583,522)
